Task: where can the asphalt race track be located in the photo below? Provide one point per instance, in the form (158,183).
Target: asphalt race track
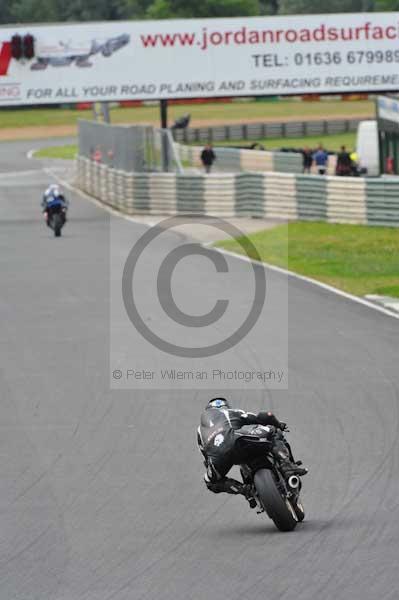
(101,493)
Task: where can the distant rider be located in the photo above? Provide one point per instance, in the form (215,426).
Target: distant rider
(53,197)
(216,440)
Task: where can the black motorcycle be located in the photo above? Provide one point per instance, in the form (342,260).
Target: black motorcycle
(277,496)
(56,217)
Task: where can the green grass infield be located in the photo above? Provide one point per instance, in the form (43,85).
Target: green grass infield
(68,152)
(355,258)
(332,142)
(202,113)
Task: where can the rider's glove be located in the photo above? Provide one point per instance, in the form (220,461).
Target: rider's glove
(283,426)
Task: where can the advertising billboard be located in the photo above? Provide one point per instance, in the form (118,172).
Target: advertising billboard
(144,60)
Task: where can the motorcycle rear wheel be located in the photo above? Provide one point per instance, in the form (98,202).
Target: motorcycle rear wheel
(277,507)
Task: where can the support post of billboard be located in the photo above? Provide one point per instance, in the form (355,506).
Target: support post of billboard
(101,112)
(164,127)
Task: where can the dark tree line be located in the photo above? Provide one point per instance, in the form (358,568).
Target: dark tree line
(41,11)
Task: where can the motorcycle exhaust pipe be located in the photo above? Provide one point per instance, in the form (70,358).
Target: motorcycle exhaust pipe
(293,482)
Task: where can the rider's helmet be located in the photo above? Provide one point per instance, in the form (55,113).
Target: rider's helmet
(54,190)
(218,403)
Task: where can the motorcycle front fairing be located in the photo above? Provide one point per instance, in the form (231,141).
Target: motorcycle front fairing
(55,203)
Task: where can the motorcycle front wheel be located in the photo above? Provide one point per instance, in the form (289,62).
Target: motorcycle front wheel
(276,506)
(57,225)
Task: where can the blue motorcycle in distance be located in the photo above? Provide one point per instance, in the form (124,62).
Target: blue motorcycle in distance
(55,214)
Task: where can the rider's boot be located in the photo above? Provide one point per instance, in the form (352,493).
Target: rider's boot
(287,466)
(248,493)
(252,502)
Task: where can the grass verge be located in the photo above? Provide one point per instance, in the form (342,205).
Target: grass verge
(355,258)
(330,142)
(68,151)
(200,113)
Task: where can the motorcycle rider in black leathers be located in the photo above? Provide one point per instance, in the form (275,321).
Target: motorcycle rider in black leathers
(217,443)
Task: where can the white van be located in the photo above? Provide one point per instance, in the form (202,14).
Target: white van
(367,147)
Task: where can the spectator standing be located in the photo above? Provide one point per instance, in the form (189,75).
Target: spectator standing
(390,166)
(207,158)
(307,159)
(96,154)
(354,164)
(344,163)
(320,158)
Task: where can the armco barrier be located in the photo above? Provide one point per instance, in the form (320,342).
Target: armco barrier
(259,131)
(274,195)
(382,200)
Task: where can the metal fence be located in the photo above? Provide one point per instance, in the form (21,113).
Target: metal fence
(132,148)
(258,131)
(138,148)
